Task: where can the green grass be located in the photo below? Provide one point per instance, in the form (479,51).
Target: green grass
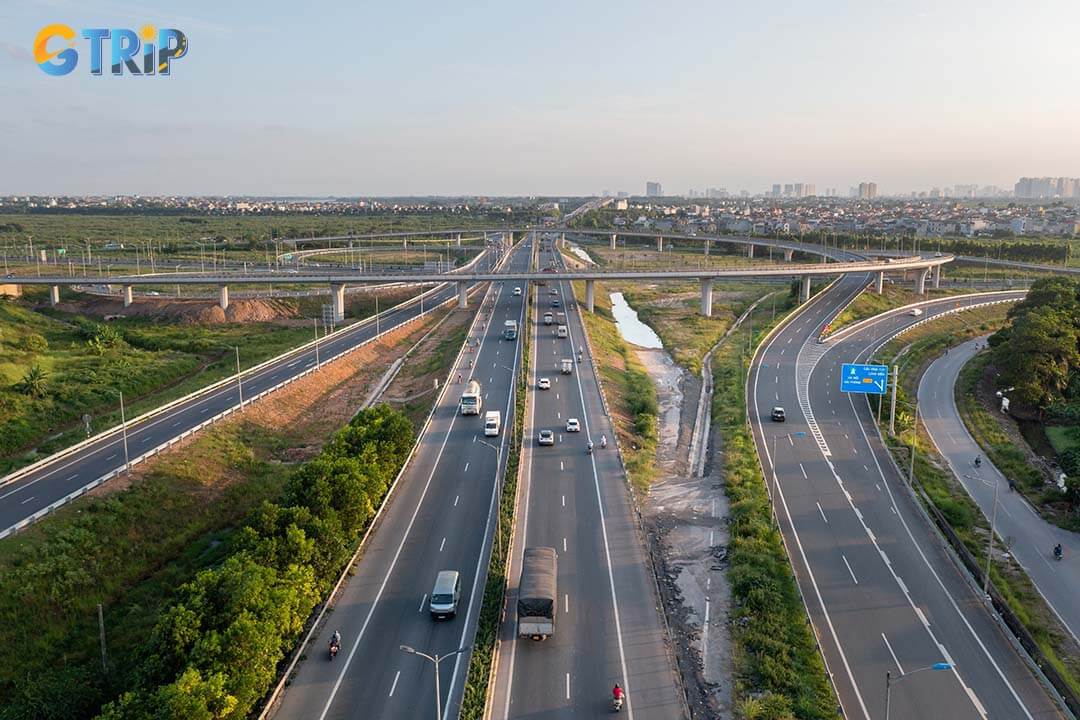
(870,303)
(628,388)
(1062,437)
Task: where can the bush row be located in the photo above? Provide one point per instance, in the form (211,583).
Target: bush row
(216,650)
(780,673)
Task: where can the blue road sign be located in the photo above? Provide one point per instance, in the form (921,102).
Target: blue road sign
(864,378)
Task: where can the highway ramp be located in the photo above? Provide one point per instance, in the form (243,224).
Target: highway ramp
(881,588)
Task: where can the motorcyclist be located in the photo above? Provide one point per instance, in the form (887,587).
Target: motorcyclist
(1057,551)
(335,639)
(978,461)
(589,447)
(603,441)
(617,692)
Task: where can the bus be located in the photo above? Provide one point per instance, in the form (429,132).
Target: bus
(472,399)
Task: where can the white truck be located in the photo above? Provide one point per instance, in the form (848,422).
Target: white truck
(492,422)
(562,331)
(567,366)
(472,399)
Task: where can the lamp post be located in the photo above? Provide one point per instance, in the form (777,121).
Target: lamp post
(890,680)
(498,509)
(435,660)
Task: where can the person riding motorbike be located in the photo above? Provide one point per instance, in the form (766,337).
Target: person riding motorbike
(978,461)
(603,441)
(335,643)
(617,697)
(1057,551)
(588,448)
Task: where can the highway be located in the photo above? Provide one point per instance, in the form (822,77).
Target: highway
(608,628)
(1030,538)
(881,589)
(35,490)
(440,517)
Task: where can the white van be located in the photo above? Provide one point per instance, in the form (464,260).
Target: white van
(445,594)
(492,421)
(561,331)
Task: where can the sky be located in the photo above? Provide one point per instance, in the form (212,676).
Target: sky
(552,98)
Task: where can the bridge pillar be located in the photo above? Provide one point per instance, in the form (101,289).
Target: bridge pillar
(804,289)
(462,295)
(127,296)
(612,241)
(789,255)
(223,297)
(562,239)
(54,295)
(749,250)
(659,244)
(937,276)
(707,244)
(879,283)
(920,281)
(337,297)
(706,297)
(590,295)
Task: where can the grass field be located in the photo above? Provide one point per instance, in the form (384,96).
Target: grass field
(1062,437)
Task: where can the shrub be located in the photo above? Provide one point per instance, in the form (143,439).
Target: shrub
(34,342)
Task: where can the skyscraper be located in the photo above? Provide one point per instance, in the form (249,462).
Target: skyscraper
(867,190)
(654,189)
(776,190)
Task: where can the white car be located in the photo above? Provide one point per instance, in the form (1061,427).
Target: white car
(572,425)
(546,437)
(517,291)
(915,312)
(543,384)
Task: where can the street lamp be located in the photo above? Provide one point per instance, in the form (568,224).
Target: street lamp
(890,680)
(435,659)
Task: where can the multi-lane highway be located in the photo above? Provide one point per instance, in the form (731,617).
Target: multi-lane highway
(33,491)
(608,627)
(881,588)
(1030,538)
(441,517)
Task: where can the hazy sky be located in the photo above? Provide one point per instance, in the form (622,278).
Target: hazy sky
(553,97)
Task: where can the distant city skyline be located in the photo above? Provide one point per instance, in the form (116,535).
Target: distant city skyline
(506,100)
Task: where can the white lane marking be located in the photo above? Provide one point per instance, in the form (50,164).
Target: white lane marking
(205,409)
(292,364)
(564,501)
(894,658)
(822,513)
(422,601)
(392,687)
(561,465)
(564,544)
(790,441)
(456,498)
(705,639)
(175,424)
(111,456)
(27,500)
(466,467)
(852,572)
(566,603)
(803,472)
(567,686)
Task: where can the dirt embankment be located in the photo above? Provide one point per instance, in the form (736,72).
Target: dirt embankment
(206,312)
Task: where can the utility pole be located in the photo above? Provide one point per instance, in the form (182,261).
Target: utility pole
(990,545)
(239,382)
(101,633)
(892,405)
(316,322)
(123,428)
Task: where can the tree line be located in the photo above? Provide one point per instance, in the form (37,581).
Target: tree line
(215,652)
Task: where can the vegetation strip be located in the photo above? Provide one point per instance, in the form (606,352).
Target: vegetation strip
(779,670)
(957,515)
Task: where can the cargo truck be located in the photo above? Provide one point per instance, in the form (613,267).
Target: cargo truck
(537,599)
(492,421)
(472,399)
(510,329)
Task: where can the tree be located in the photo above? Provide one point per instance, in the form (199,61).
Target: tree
(34,383)
(1039,355)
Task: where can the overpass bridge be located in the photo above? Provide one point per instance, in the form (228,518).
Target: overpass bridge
(925,267)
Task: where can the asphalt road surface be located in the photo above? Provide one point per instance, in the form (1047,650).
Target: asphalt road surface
(1029,538)
(439,518)
(53,481)
(607,627)
(882,591)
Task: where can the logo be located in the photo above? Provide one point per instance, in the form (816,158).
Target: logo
(150,51)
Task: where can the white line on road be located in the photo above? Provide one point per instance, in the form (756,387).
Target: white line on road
(567,686)
(895,660)
(466,467)
(205,409)
(566,602)
(456,498)
(111,456)
(705,640)
(27,500)
(803,471)
(564,544)
(849,569)
(561,465)
(564,501)
(422,601)
(822,513)
(392,687)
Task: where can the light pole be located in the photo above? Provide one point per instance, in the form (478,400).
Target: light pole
(123,427)
(890,680)
(498,509)
(990,540)
(435,660)
(316,322)
(239,382)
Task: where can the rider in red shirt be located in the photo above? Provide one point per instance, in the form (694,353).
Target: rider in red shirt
(617,692)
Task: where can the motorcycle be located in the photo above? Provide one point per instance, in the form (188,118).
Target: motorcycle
(588,448)
(616,704)
(1058,553)
(603,442)
(334,647)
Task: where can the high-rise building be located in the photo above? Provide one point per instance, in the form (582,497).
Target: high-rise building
(810,190)
(776,190)
(1046,187)
(789,190)
(799,191)
(867,190)
(654,189)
